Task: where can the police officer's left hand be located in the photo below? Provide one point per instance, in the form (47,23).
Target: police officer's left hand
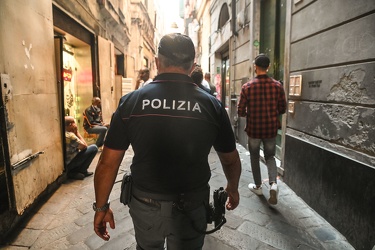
(100,223)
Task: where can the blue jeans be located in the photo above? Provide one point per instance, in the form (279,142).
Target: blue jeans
(83,159)
(269,149)
(152,225)
(101,131)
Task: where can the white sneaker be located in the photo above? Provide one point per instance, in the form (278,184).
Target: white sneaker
(274,192)
(256,190)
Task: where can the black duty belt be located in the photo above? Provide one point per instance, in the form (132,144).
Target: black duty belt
(182,201)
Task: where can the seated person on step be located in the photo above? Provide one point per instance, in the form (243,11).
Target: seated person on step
(93,121)
(78,154)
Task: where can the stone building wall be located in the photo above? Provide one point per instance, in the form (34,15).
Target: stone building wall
(330,140)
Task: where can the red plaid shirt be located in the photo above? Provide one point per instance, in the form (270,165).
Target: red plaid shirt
(262,100)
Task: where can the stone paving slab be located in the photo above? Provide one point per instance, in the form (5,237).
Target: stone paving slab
(40,221)
(27,237)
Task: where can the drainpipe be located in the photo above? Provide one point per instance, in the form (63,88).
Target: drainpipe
(234,18)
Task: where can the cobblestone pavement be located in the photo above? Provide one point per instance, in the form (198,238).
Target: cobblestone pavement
(65,221)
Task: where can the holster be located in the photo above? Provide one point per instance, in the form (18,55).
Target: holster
(126,189)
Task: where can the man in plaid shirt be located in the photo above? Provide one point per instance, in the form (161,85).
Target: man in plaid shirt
(262,100)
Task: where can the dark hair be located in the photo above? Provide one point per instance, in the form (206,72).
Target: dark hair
(262,61)
(197,75)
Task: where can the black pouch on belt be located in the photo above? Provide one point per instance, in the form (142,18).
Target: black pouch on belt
(126,189)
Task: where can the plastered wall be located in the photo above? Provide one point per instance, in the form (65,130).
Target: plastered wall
(338,95)
(29,90)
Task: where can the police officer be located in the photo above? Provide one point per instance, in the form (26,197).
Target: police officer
(171,125)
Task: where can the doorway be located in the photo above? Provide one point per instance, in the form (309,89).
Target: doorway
(75,67)
(225,82)
(272,43)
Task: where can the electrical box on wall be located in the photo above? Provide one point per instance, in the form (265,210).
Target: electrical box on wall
(291,107)
(295,85)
